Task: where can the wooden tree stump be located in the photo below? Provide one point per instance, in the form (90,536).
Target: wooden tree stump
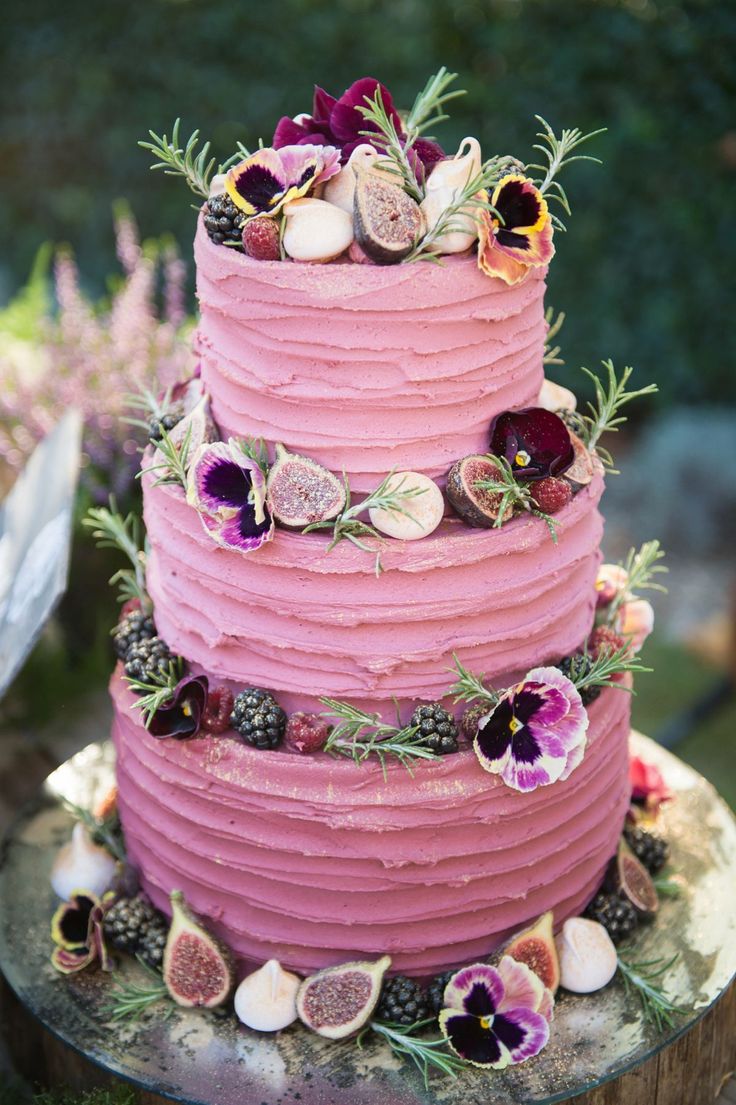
(689,1072)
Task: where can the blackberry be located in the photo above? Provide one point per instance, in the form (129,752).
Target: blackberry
(165,424)
(258,718)
(131,630)
(436,992)
(649,849)
(147,659)
(571,419)
(436,727)
(222,220)
(575,667)
(133,925)
(402,1001)
(616,914)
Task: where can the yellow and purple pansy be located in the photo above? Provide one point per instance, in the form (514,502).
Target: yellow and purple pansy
(496,1016)
(536,733)
(77,932)
(518,236)
(228,491)
(269,178)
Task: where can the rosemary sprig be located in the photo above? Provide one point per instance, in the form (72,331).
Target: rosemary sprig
(157,691)
(643,977)
(640,566)
(103,832)
(428,108)
(112,531)
(427,1055)
(604,416)
(514,495)
(255,449)
(392,146)
(469,687)
(606,666)
(359,735)
(175,160)
(129,1000)
(350,526)
(150,406)
(554,325)
(557,153)
(174,465)
(668,886)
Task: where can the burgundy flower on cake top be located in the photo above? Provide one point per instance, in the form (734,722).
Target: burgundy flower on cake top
(496,1016)
(536,734)
(228,490)
(181,715)
(338,122)
(519,237)
(269,178)
(535,442)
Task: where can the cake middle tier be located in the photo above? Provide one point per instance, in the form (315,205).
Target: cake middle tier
(305,622)
(366,368)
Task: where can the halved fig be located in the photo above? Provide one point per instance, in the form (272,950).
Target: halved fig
(197,968)
(475,506)
(387,221)
(536,947)
(634,881)
(300,491)
(580,472)
(338,1001)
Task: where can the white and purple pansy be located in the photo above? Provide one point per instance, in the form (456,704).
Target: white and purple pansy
(536,733)
(269,178)
(496,1016)
(228,491)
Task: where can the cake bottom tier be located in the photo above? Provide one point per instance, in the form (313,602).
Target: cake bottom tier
(315,861)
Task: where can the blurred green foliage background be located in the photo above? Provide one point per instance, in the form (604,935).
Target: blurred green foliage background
(645,270)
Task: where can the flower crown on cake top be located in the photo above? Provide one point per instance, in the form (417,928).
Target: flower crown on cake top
(356,179)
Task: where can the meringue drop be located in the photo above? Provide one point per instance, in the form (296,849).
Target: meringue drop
(553,397)
(445,183)
(81,865)
(588,958)
(266,999)
(340,189)
(418,515)
(316,230)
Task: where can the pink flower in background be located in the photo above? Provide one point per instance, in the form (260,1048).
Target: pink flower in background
(647,784)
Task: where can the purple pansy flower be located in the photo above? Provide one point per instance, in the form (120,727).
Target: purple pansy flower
(536,733)
(535,442)
(339,123)
(181,715)
(228,490)
(496,1016)
(270,178)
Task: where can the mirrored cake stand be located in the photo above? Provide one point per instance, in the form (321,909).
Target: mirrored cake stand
(208,1059)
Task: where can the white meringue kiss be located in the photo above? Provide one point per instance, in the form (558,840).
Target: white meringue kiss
(553,397)
(444,185)
(316,230)
(340,189)
(81,865)
(424,511)
(266,999)
(587,956)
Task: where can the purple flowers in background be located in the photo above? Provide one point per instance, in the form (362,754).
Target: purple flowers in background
(536,734)
(496,1016)
(93,359)
(228,490)
(534,441)
(337,122)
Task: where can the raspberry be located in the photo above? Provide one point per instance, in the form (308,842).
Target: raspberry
(604,638)
(551,494)
(261,239)
(471,717)
(216,716)
(306,733)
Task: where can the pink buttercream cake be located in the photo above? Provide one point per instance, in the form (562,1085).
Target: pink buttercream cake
(315,860)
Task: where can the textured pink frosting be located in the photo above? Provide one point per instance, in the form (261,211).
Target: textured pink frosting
(305,622)
(362,367)
(316,861)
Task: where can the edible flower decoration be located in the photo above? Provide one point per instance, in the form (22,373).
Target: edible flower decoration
(269,178)
(630,616)
(76,929)
(496,1016)
(536,733)
(181,715)
(338,122)
(228,490)
(534,441)
(648,787)
(516,236)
